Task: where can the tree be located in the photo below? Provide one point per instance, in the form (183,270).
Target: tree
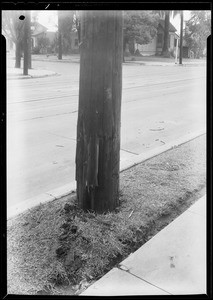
(59,36)
(197,29)
(66,29)
(166,15)
(165,49)
(99,113)
(139,27)
(43,42)
(13,28)
(65,26)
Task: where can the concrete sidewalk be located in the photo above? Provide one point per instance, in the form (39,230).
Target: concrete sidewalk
(173,262)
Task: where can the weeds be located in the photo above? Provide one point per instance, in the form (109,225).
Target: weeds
(57,244)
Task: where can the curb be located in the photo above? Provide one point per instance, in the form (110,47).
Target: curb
(157,64)
(163,64)
(70,188)
(62,61)
(15,77)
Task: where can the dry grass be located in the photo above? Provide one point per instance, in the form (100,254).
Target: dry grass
(57,244)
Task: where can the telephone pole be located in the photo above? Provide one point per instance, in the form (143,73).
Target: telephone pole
(99,114)
(26,41)
(181,38)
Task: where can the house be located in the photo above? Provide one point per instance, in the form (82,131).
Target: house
(156,45)
(37,31)
(40,31)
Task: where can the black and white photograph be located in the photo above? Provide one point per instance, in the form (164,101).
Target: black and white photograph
(106,122)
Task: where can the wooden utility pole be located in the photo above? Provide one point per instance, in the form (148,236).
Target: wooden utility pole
(59,36)
(26,41)
(181,38)
(29,45)
(99,113)
(29,54)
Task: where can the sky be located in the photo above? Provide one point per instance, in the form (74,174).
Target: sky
(48,18)
(176,21)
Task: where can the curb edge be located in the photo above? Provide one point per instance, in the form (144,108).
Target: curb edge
(68,189)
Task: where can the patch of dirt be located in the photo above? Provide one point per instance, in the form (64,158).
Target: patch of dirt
(56,248)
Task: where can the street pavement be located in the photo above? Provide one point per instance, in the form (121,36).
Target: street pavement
(159,106)
(173,262)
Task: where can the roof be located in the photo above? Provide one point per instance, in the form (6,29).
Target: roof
(38,28)
(171,27)
(177,36)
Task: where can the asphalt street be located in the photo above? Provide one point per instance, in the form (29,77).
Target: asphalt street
(159,105)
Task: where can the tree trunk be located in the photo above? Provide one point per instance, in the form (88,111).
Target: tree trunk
(132,47)
(59,36)
(165,50)
(99,114)
(181,38)
(59,46)
(18,55)
(26,42)
(29,55)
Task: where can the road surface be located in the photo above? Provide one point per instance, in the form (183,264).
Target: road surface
(159,105)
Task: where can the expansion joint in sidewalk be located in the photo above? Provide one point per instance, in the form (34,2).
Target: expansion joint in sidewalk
(129,151)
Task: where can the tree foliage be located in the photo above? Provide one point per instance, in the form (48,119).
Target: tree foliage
(197,29)
(140,26)
(66,27)
(13,29)
(166,14)
(12,25)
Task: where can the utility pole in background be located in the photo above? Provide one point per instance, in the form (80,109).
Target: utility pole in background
(26,41)
(181,38)
(99,113)
(29,44)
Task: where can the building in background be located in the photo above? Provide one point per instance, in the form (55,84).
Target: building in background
(38,31)
(156,45)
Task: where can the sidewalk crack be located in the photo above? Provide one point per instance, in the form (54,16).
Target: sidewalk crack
(51,196)
(125,269)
